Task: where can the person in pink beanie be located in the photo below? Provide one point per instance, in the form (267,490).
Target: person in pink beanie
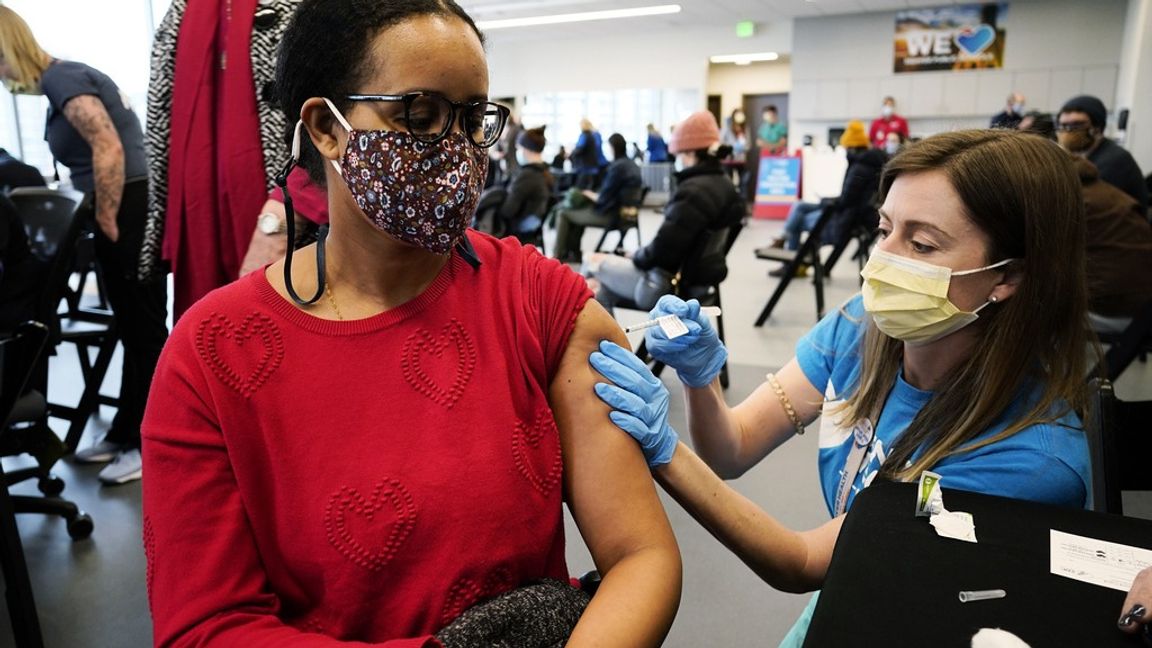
(704,201)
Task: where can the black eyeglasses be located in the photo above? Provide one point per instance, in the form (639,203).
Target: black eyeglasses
(429,117)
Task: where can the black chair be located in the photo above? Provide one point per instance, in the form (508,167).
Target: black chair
(20,354)
(719,241)
(863,234)
(808,254)
(55,225)
(626,218)
(1133,342)
(1103,447)
(487,217)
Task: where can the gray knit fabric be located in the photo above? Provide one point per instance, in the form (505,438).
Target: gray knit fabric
(538,615)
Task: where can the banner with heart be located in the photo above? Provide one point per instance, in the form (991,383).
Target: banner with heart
(958,37)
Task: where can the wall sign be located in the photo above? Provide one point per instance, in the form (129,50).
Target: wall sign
(960,37)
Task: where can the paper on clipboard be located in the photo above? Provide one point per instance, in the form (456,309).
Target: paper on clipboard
(1098,562)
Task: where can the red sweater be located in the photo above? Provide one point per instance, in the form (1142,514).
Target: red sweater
(311,481)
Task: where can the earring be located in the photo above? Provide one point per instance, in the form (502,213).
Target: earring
(993,299)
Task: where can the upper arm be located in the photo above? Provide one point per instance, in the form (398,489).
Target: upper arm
(609,489)
(89,117)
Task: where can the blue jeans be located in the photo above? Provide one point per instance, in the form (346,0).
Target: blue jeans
(801,218)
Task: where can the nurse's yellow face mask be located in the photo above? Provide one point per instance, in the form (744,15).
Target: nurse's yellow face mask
(908,299)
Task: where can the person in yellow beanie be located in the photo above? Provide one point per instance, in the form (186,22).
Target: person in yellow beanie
(854,203)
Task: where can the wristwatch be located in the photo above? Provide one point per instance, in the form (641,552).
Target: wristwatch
(271,224)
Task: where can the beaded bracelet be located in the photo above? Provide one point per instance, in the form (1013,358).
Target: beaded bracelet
(788,409)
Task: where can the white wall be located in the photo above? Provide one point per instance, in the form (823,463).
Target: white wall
(1135,83)
(640,60)
(842,67)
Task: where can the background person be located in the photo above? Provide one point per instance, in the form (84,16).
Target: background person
(270,237)
(317,443)
(772,136)
(887,122)
(704,201)
(623,176)
(92,130)
(532,186)
(587,156)
(1080,130)
(1012,114)
(656,147)
(944,363)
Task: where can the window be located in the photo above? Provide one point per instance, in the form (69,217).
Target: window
(79,30)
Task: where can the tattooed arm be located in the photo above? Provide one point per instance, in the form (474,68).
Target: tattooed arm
(88,116)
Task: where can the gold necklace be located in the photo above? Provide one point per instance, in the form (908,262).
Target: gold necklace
(332,300)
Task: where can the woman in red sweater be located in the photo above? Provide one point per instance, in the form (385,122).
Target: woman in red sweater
(363,466)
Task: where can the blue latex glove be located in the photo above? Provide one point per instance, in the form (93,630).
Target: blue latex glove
(639,401)
(697,356)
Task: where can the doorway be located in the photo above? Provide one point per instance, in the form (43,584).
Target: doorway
(754,105)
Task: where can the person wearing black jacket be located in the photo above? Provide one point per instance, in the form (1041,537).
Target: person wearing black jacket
(623,177)
(704,201)
(531,187)
(14,173)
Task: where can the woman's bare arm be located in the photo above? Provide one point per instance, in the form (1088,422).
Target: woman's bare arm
(733,439)
(614,502)
(88,116)
(785,559)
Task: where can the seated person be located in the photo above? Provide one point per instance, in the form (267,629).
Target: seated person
(270,238)
(857,193)
(361,467)
(1080,129)
(951,360)
(705,200)
(15,173)
(1118,239)
(532,186)
(623,176)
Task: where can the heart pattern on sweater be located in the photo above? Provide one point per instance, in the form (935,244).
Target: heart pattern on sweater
(469,591)
(369,531)
(242,357)
(536,452)
(439,366)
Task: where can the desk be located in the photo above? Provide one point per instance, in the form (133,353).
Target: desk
(893,581)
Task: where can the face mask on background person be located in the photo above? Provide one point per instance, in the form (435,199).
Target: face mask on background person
(886,110)
(738,118)
(1018,108)
(421,193)
(1076,141)
(908,299)
(521,158)
(891,148)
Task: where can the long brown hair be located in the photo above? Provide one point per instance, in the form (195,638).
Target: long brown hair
(1023,192)
(21,51)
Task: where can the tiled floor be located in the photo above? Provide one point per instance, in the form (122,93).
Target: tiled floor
(91,595)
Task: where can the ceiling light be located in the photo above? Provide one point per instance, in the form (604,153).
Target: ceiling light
(656,10)
(745,59)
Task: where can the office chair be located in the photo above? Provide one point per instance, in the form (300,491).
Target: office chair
(55,225)
(20,354)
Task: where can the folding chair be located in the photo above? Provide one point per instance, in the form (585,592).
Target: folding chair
(627,217)
(808,254)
